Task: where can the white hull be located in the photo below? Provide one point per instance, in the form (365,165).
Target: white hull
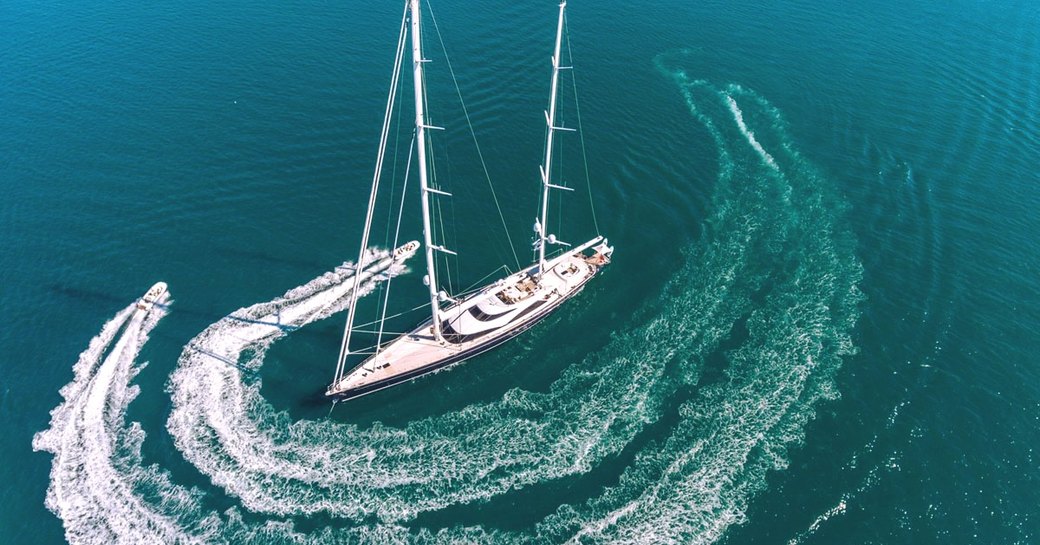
(154,294)
(487,318)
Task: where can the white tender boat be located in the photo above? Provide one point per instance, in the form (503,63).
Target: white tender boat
(153,294)
(459,329)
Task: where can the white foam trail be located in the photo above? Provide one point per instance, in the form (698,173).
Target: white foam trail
(833,511)
(738,115)
(888,463)
(93,486)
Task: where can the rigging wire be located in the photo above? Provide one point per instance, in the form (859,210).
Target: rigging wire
(472,132)
(561,116)
(391,317)
(471,287)
(375,331)
(448,258)
(397,234)
(439,233)
(455,243)
(394,79)
(393,187)
(581,132)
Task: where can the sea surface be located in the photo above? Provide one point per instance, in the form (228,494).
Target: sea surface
(820,325)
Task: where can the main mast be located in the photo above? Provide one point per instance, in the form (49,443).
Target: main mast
(550,120)
(420,130)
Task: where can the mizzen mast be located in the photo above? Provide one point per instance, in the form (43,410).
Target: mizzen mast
(550,120)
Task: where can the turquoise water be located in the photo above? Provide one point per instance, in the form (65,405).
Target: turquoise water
(818,326)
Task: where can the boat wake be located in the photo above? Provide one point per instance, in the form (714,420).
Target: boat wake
(97,474)
(722,373)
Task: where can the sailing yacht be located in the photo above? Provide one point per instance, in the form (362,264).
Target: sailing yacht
(459,329)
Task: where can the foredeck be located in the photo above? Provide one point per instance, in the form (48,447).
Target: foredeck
(405,354)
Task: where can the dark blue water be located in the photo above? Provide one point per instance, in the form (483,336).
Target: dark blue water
(819,325)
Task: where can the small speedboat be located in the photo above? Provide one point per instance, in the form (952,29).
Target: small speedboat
(154,294)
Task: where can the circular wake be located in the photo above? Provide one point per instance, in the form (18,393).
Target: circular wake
(727,365)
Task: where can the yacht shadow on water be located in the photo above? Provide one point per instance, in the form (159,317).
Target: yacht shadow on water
(267,258)
(246,371)
(83,294)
